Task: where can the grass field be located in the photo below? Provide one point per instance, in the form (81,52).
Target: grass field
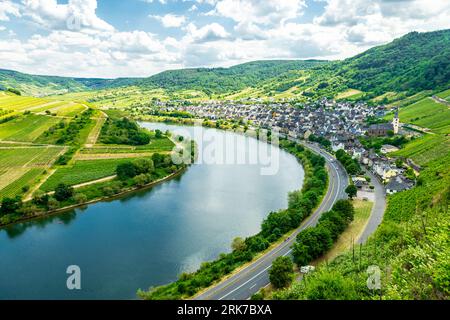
(26,128)
(68,110)
(349,94)
(349,237)
(82,171)
(427,114)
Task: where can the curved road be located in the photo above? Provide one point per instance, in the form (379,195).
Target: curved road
(251,279)
(379,207)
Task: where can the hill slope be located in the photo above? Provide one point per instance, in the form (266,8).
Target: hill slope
(410,64)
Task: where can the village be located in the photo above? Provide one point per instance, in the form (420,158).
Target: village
(344,124)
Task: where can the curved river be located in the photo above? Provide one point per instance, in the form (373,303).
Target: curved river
(148,238)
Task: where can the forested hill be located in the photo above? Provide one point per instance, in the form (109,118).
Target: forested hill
(37,85)
(415,62)
(222,80)
(410,64)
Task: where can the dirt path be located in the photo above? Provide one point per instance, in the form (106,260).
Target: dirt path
(441,101)
(95,133)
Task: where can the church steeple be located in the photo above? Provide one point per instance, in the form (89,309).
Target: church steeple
(396,121)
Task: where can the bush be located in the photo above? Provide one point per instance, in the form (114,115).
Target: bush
(281,273)
(63,192)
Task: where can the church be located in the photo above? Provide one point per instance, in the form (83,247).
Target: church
(382,129)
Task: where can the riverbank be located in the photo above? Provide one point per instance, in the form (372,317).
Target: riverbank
(96,200)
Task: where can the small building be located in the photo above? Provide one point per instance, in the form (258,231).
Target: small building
(398,184)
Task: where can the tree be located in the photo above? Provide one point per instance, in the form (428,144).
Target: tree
(10,205)
(80,198)
(63,192)
(238,244)
(352,191)
(126,171)
(281,274)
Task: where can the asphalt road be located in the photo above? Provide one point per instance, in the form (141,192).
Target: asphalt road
(379,206)
(242,285)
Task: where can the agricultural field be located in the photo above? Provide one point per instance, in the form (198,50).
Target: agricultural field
(83,171)
(26,128)
(21,165)
(427,114)
(18,103)
(68,110)
(350,94)
(444,95)
(156,145)
(425,149)
(17,186)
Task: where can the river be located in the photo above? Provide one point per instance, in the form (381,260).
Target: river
(147,238)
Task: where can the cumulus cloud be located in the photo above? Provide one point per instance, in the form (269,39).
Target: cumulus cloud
(75,15)
(207,33)
(170,20)
(236,31)
(7,9)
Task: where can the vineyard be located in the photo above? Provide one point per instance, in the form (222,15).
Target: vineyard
(27,128)
(82,171)
(427,114)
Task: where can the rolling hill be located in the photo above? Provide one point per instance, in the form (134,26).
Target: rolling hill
(411,64)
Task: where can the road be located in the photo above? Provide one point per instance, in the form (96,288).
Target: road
(249,280)
(379,206)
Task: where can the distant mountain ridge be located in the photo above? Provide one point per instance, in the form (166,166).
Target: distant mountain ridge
(412,63)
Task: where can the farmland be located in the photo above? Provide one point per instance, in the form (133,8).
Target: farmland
(82,171)
(49,142)
(27,128)
(21,166)
(445,95)
(427,114)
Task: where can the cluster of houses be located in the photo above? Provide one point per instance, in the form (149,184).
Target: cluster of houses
(342,123)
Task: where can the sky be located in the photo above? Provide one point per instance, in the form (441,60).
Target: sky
(139,38)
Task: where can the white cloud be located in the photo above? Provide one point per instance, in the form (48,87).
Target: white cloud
(266,12)
(170,20)
(207,33)
(75,15)
(8,8)
(251,30)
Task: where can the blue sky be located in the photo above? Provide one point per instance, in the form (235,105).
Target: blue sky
(114,38)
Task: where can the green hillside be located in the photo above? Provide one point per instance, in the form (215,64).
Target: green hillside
(223,80)
(411,64)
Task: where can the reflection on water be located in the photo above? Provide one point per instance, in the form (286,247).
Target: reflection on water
(143,239)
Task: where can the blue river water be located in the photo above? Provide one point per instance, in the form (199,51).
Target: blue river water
(147,238)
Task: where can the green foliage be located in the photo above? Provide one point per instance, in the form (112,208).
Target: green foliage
(313,242)
(63,192)
(351,165)
(124,131)
(281,273)
(351,191)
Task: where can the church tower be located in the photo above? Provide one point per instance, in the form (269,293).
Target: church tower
(396,122)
